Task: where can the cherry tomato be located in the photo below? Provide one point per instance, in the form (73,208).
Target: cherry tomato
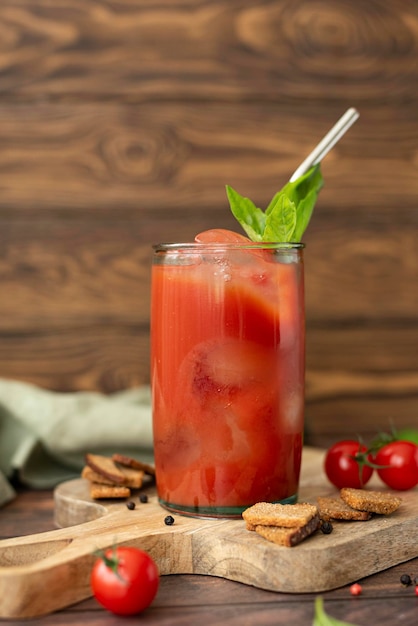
(344,464)
(125,580)
(400,461)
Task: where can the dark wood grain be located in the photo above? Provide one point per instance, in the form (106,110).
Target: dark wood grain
(127,158)
(346,51)
(121,121)
(187,600)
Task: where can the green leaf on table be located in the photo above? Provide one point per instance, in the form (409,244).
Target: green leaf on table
(323,619)
(287,215)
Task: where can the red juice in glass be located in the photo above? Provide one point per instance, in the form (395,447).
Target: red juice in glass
(227,371)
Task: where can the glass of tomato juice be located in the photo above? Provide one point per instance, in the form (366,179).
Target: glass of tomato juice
(227,374)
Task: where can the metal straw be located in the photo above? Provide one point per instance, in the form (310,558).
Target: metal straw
(328,142)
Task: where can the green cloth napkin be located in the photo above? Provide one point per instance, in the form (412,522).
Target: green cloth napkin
(44,435)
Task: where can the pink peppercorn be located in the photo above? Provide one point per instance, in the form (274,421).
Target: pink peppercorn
(355,589)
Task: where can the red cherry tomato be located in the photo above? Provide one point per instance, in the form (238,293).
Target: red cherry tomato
(125,580)
(344,464)
(400,464)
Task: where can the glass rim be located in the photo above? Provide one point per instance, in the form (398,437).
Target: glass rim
(227,245)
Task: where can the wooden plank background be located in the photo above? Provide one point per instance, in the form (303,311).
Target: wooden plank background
(121,121)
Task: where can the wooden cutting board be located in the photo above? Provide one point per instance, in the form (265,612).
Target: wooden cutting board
(48,571)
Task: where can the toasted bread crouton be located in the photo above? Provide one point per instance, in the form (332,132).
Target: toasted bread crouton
(95,477)
(101,492)
(133,477)
(379,502)
(288,536)
(127,461)
(284,515)
(336,509)
(104,466)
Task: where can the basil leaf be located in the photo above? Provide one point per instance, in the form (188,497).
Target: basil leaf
(287,215)
(299,188)
(304,193)
(323,619)
(304,213)
(281,220)
(251,218)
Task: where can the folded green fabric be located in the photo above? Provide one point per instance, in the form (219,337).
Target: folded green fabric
(44,435)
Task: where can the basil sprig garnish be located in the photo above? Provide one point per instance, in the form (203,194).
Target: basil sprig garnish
(288,214)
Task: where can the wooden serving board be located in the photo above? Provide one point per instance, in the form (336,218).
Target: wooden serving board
(48,571)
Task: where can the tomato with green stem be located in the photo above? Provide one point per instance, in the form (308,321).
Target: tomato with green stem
(124,580)
(398,464)
(395,434)
(348,464)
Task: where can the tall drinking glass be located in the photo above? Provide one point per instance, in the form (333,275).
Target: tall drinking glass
(227,372)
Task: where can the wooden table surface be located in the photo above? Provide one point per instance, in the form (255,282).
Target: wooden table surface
(190,599)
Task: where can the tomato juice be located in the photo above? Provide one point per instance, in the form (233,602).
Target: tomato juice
(227,371)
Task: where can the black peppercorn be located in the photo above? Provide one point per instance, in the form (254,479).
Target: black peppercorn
(406,580)
(130,505)
(326,528)
(169,520)
(143,498)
